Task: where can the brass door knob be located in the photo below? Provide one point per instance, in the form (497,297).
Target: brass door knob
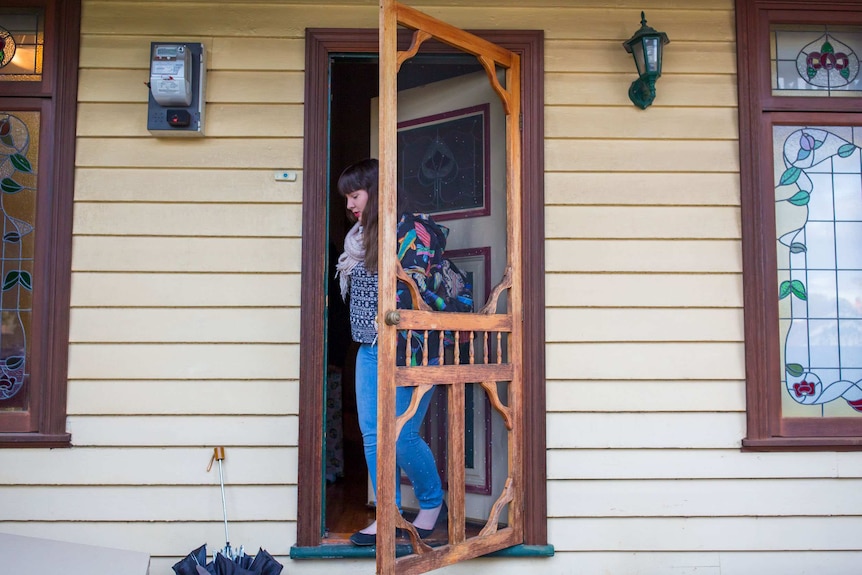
(392,318)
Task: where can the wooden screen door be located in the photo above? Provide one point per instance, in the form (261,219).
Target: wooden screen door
(494,338)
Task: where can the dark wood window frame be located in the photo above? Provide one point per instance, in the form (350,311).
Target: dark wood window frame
(759,110)
(320,45)
(56,95)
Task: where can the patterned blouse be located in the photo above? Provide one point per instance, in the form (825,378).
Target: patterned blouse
(363,305)
(421,243)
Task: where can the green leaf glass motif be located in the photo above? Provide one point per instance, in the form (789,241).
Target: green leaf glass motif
(846,150)
(790,176)
(797,248)
(797,288)
(794,369)
(10,186)
(800,198)
(802,154)
(17,277)
(14,361)
(827,48)
(794,287)
(10,280)
(21,163)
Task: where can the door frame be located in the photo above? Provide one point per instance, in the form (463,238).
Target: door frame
(321,44)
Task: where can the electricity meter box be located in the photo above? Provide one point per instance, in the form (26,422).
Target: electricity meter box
(177,78)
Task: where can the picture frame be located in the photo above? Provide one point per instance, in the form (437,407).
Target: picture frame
(476,263)
(444,166)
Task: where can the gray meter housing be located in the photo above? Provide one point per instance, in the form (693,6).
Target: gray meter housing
(177,89)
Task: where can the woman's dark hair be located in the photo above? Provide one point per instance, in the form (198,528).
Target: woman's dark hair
(363,175)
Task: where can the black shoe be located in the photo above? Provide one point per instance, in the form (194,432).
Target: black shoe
(361,539)
(442,519)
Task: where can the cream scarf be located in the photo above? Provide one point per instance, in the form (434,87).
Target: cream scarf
(354,253)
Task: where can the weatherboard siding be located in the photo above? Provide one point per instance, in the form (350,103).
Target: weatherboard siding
(185,303)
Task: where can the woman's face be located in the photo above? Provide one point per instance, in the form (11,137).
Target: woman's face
(356,201)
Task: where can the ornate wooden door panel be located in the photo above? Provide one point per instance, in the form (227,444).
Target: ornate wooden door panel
(491,354)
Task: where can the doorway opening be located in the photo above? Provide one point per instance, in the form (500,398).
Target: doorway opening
(331,128)
(352,137)
(353,84)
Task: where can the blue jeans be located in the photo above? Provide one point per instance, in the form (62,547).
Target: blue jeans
(412,454)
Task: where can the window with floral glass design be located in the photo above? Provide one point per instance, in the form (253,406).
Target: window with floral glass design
(18,190)
(818,221)
(38,90)
(801,184)
(816,60)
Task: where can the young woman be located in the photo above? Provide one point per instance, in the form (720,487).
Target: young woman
(420,246)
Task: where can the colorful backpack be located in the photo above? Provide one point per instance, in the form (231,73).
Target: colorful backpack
(451,284)
(421,249)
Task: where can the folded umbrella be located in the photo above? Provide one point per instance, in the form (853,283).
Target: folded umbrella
(195,563)
(188,565)
(227,561)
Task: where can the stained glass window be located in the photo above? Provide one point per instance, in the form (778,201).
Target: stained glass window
(19,147)
(816,61)
(22,41)
(818,219)
(38,87)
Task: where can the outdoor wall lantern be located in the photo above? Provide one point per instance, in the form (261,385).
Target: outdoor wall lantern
(646,47)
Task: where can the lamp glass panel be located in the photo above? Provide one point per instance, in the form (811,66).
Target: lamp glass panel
(638,54)
(818,219)
(652,49)
(816,60)
(22,35)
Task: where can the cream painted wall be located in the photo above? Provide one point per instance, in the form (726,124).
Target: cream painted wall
(184,330)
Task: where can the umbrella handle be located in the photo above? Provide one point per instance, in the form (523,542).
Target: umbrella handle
(218,455)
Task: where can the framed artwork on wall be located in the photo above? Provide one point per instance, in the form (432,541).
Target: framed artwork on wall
(443,163)
(476,263)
